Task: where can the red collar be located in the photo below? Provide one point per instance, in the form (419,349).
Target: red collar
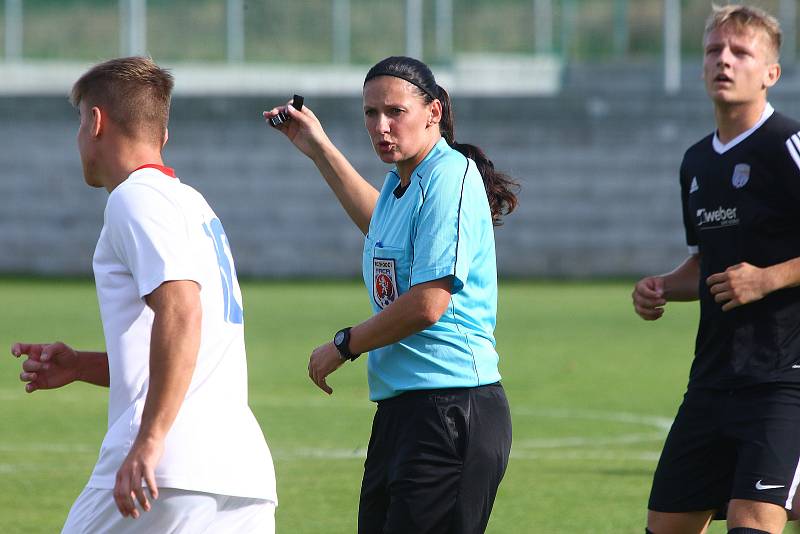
(166,170)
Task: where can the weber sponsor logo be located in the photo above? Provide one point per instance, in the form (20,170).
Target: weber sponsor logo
(707,219)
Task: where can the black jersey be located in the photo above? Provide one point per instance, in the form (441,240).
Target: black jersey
(743,205)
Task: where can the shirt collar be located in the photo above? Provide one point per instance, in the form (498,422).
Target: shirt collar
(164,170)
(721,148)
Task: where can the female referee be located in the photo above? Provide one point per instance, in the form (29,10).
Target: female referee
(441,435)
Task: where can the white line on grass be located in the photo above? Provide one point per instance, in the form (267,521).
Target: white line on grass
(56,448)
(645,456)
(516,453)
(320,453)
(9,395)
(582,441)
(533,449)
(662,423)
(308,402)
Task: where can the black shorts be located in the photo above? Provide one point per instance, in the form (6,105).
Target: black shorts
(435,461)
(738,444)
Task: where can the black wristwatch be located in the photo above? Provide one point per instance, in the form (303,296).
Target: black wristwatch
(341,341)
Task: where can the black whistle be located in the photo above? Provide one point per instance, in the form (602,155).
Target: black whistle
(281,117)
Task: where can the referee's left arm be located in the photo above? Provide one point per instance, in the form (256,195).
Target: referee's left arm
(417,309)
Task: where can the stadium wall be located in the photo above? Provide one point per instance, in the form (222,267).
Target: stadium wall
(598,172)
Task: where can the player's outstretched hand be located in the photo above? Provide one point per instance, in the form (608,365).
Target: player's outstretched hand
(139,465)
(739,284)
(648,298)
(303,130)
(47,366)
(324,360)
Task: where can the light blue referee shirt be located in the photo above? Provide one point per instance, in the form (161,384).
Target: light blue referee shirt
(441,226)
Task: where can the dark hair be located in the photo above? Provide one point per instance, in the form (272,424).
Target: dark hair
(134,91)
(499,187)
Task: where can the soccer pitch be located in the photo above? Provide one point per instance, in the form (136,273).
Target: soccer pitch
(592,388)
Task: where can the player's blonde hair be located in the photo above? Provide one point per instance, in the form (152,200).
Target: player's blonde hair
(741,17)
(133,91)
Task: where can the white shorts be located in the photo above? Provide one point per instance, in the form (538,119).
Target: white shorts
(175,510)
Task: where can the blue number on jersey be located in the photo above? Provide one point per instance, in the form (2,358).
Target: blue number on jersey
(233,310)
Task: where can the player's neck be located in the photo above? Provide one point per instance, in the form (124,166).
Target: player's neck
(735,119)
(128,158)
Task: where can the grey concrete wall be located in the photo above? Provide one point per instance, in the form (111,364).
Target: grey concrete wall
(598,171)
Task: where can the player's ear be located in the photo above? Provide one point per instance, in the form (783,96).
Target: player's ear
(98,121)
(772,75)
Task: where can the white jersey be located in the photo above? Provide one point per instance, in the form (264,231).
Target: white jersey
(157,229)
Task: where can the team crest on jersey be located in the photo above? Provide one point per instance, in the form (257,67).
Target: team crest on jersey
(741,174)
(384,281)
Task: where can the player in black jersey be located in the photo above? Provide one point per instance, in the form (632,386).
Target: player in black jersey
(735,442)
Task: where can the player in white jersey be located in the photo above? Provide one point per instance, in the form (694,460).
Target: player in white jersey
(178,421)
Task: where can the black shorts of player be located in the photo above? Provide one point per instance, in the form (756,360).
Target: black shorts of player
(435,461)
(736,444)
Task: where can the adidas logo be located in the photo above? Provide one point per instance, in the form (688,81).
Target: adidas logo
(693,187)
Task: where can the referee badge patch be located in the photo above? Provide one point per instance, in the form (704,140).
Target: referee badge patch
(741,174)
(384,281)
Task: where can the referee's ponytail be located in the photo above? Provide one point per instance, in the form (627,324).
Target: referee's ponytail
(499,187)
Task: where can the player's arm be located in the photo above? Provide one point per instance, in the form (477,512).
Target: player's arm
(744,283)
(413,311)
(650,294)
(174,343)
(54,365)
(356,195)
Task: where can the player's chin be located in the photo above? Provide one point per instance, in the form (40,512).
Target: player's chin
(92,183)
(90,178)
(724,96)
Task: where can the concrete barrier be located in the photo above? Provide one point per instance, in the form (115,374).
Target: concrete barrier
(598,171)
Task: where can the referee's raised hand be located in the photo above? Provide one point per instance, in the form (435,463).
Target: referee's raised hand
(303,129)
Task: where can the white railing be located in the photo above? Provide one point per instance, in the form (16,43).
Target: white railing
(546,25)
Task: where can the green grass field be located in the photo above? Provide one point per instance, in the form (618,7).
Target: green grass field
(592,390)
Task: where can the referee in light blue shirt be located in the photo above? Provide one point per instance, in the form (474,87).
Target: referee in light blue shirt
(438,226)
(442,431)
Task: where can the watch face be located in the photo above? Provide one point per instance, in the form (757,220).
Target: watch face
(339,338)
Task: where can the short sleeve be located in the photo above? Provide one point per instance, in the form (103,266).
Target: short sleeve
(792,164)
(441,235)
(149,235)
(687,183)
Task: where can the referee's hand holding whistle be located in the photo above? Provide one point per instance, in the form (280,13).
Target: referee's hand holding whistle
(324,360)
(303,130)
(740,284)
